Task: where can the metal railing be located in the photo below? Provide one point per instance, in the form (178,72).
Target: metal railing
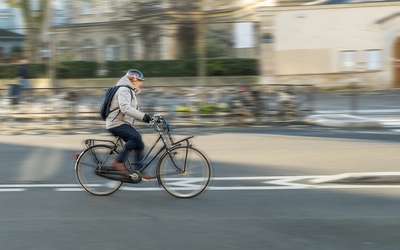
(192,106)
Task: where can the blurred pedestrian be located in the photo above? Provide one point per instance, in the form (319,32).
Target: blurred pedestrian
(124,111)
(22,73)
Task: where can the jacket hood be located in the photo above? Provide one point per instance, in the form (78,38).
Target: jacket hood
(125,81)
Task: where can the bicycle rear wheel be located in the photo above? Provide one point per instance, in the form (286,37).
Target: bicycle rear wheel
(96,158)
(184,172)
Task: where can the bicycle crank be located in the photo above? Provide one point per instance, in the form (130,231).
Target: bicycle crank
(135,177)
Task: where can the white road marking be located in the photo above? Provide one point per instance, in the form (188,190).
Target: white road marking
(241,183)
(12,189)
(264,177)
(69,189)
(284,181)
(128,188)
(38,185)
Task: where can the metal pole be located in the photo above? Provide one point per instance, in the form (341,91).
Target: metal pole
(354,99)
(51,48)
(201,67)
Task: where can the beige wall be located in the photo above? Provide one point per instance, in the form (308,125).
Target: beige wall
(308,40)
(306,61)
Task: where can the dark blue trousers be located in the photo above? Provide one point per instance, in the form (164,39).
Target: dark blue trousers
(132,139)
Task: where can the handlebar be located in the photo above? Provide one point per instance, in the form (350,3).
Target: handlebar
(159,123)
(156,118)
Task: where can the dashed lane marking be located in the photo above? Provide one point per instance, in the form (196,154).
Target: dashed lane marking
(12,189)
(223,184)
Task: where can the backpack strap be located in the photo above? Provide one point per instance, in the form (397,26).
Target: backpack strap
(119,111)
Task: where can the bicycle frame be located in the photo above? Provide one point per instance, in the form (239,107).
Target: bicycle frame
(165,148)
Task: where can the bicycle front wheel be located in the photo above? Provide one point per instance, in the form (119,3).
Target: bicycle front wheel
(184,172)
(96,158)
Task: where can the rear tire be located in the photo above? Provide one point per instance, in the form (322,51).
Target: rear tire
(96,157)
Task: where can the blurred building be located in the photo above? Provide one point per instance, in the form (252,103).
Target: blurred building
(11,32)
(10,43)
(155,30)
(333,42)
(317,42)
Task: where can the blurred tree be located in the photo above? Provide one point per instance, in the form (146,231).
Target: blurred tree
(34,15)
(219,43)
(155,18)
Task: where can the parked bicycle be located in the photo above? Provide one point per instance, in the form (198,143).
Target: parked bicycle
(182,170)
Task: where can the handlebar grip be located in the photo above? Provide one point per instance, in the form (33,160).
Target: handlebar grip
(157,118)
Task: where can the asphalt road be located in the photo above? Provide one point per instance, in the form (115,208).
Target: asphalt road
(261,196)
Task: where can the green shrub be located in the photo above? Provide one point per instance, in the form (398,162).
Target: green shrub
(16,49)
(76,70)
(162,68)
(207,109)
(232,67)
(182,109)
(8,71)
(35,70)
(181,68)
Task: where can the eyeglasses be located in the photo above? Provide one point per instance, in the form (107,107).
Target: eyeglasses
(137,78)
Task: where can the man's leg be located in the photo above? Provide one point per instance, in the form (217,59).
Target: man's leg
(133,141)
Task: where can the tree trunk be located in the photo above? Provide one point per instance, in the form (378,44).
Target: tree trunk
(34,25)
(32,45)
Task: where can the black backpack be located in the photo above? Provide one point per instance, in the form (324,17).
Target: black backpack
(105,103)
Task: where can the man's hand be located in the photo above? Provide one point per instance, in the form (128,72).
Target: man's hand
(146,118)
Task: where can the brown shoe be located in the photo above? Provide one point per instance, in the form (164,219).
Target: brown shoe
(147,176)
(120,167)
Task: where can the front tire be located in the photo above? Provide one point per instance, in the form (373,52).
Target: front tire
(184,172)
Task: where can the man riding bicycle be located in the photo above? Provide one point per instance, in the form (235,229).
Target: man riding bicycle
(125,110)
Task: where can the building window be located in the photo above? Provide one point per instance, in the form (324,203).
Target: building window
(61,12)
(86,7)
(348,61)
(219,43)
(108,5)
(5,22)
(158,3)
(45,51)
(88,51)
(62,48)
(244,35)
(373,59)
(111,50)
(3,6)
(130,55)
(158,48)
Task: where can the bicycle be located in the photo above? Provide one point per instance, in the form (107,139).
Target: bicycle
(182,170)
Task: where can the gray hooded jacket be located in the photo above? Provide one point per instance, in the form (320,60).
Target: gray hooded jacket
(126,106)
